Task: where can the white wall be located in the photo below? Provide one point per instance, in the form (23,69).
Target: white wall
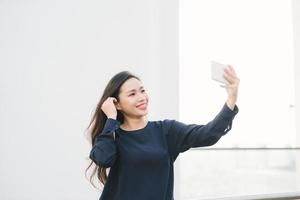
(296,17)
(55,59)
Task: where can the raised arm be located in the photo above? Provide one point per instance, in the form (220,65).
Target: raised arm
(182,137)
(104,151)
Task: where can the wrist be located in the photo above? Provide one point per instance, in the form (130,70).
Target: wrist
(112,116)
(231,103)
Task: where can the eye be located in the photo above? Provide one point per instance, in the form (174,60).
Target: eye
(131,94)
(143,90)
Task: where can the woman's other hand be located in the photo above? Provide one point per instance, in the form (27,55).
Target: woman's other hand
(109,108)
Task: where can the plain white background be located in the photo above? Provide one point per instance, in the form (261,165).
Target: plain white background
(55,59)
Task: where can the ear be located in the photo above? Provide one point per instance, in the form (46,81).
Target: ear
(118,107)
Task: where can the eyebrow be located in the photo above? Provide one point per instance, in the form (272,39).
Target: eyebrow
(134,89)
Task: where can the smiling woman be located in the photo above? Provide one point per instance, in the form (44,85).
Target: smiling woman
(132,103)
(141,153)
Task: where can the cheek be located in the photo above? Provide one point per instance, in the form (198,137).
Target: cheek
(128,102)
(147,97)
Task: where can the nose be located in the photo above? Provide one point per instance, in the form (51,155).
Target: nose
(143,98)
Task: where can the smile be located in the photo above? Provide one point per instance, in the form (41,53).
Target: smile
(142,106)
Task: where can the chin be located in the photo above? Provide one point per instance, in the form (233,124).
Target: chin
(143,113)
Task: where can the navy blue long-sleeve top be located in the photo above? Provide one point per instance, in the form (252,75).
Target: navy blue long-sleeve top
(141,161)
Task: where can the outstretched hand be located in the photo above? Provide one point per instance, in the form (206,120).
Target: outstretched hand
(232,86)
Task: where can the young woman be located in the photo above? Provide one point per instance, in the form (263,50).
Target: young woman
(141,153)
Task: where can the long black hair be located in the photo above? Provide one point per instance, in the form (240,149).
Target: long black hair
(99,118)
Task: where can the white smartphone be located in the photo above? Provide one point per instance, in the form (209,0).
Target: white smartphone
(217,71)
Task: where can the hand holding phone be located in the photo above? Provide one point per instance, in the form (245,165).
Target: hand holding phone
(218,72)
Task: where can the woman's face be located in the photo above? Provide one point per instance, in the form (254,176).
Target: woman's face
(133,99)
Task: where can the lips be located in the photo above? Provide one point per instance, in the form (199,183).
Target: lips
(143,105)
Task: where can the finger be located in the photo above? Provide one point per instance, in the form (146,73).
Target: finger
(229,78)
(113,99)
(232,69)
(230,74)
(229,71)
(230,86)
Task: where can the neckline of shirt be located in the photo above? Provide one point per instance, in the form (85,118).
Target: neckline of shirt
(126,132)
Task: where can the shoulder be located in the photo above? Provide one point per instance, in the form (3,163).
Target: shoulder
(164,124)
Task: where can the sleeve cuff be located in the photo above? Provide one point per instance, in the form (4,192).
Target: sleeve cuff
(228,113)
(110,125)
